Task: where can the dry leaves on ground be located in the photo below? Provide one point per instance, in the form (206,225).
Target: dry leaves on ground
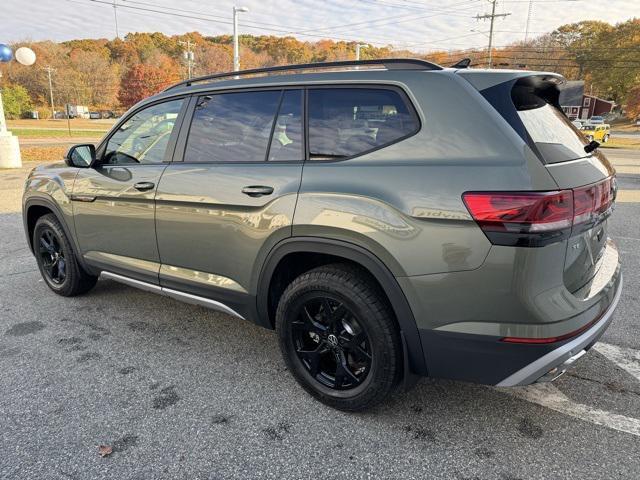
(105,450)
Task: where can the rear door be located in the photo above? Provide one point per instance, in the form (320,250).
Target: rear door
(113,202)
(231,192)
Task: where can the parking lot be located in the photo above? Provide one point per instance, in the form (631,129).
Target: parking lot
(178,391)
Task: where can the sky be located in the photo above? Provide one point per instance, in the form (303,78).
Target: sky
(419,25)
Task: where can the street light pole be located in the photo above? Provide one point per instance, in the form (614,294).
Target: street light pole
(236,49)
(358,47)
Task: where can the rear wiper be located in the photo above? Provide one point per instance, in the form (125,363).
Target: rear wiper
(591,146)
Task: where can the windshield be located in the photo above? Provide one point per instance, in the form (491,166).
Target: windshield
(557,139)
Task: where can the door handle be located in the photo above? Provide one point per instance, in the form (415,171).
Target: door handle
(257,190)
(142,186)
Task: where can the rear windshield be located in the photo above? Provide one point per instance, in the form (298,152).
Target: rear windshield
(557,139)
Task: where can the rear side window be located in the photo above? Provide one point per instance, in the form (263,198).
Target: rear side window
(344,122)
(552,132)
(286,143)
(232,127)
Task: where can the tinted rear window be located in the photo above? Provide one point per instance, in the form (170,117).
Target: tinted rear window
(344,122)
(232,127)
(556,137)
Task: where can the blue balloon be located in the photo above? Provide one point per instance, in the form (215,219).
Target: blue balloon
(5,53)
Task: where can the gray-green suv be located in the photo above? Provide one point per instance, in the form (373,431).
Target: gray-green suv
(388,218)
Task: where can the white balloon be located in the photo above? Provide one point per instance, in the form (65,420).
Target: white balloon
(25,56)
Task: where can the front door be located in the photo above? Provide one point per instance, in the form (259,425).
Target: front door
(113,202)
(233,194)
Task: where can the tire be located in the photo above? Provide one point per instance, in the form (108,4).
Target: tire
(57,261)
(361,364)
(605,139)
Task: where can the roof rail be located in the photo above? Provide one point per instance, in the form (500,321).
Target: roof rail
(388,63)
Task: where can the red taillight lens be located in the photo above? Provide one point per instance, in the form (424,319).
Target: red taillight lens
(521,212)
(534,219)
(592,200)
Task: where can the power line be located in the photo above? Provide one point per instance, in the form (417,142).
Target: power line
(382,21)
(492,18)
(204,17)
(398,19)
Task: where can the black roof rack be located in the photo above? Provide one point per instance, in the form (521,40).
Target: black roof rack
(388,63)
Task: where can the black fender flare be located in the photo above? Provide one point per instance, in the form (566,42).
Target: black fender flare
(51,205)
(412,345)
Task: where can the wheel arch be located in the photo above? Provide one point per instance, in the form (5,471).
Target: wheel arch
(355,254)
(33,209)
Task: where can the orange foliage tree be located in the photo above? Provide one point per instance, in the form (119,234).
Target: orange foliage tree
(633,103)
(143,80)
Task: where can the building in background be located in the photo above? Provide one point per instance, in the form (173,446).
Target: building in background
(579,106)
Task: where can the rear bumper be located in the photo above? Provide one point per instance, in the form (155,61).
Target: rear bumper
(488,360)
(553,364)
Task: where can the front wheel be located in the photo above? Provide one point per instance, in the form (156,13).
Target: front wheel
(56,259)
(605,139)
(338,337)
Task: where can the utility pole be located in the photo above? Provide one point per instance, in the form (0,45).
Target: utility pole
(115,16)
(49,70)
(236,49)
(491,17)
(359,46)
(526,29)
(188,55)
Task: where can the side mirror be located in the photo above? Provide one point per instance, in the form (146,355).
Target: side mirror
(81,156)
(591,146)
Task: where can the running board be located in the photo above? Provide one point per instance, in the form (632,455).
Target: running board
(176,294)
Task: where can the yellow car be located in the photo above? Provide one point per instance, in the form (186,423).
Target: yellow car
(599,133)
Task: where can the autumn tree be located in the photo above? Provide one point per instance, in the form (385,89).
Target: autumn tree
(96,78)
(90,71)
(142,81)
(212,58)
(633,103)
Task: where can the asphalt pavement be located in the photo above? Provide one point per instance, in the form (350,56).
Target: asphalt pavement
(180,392)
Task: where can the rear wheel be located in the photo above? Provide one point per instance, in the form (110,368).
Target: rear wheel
(56,259)
(605,139)
(338,337)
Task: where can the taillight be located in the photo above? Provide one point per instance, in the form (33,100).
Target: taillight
(535,219)
(591,201)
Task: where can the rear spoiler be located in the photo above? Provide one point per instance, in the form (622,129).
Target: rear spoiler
(483,79)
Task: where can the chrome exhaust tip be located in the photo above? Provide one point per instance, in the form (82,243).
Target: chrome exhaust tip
(558,371)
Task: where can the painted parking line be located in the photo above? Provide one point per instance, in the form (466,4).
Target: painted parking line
(626,358)
(628,169)
(628,196)
(548,395)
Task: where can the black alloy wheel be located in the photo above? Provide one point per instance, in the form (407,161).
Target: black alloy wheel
(339,338)
(52,257)
(331,343)
(56,259)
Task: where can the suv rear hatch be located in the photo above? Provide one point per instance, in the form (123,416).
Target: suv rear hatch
(529,103)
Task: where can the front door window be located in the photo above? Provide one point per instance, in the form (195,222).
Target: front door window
(144,137)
